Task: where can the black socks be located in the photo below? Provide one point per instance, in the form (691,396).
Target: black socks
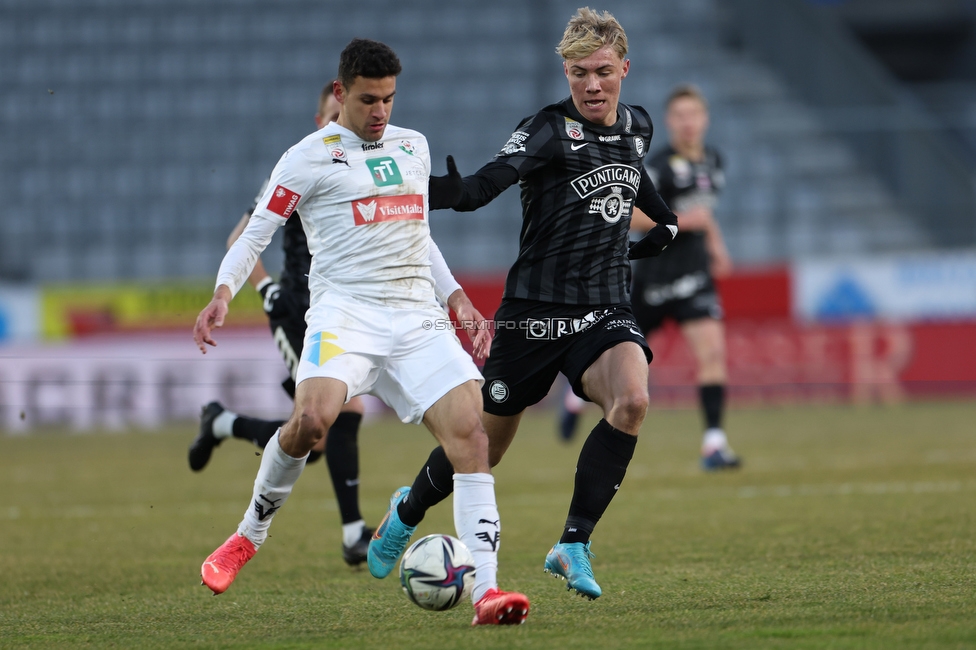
(433,484)
(602,464)
(713,404)
(257,431)
(342,457)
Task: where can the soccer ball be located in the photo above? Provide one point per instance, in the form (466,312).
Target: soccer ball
(437,572)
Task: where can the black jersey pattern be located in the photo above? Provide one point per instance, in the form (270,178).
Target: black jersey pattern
(579,182)
(682,184)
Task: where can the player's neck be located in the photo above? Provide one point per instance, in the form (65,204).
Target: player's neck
(694,152)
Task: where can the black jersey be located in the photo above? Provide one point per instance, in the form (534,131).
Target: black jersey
(298,259)
(683,184)
(579,183)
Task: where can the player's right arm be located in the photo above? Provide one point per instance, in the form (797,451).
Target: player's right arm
(259,278)
(528,148)
(291,184)
(234,271)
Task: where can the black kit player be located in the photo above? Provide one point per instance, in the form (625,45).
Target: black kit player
(285,303)
(566,305)
(679,285)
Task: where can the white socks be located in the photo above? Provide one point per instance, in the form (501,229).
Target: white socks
(274,482)
(478,527)
(714,440)
(352,533)
(223,424)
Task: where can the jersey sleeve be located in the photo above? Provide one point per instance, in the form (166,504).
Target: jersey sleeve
(444,282)
(290,184)
(243,254)
(530,147)
(662,234)
(257,197)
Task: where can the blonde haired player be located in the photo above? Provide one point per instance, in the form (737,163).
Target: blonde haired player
(579,165)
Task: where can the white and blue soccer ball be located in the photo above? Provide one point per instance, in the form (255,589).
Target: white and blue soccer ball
(437,572)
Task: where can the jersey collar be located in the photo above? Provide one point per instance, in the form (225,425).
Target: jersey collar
(617,126)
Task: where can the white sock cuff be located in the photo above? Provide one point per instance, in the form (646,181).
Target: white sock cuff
(352,532)
(477,478)
(714,439)
(278,454)
(223,424)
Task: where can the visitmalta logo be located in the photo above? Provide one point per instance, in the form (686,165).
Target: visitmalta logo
(403,207)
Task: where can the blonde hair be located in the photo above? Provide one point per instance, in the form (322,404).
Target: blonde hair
(685,90)
(588,31)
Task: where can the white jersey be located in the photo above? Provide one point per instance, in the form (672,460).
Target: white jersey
(363,207)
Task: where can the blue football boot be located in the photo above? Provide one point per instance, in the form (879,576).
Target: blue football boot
(572,563)
(720,459)
(389,540)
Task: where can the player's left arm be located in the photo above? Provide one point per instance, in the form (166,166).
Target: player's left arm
(449,292)
(665,229)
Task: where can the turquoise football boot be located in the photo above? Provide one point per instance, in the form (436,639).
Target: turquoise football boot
(571,562)
(389,540)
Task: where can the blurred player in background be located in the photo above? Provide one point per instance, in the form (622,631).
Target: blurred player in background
(680,284)
(285,303)
(566,305)
(360,186)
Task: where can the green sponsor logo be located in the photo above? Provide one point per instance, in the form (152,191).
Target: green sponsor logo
(385,171)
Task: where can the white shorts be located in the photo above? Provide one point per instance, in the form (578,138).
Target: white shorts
(393,353)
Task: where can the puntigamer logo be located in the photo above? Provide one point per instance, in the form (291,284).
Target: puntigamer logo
(606,176)
(385,171)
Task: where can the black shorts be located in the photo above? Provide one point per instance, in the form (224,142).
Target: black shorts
(534,341)
(690,297)
(286,317)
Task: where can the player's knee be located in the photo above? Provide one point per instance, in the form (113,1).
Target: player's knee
(470,434)
(713,360)
(313,424)
(632,405)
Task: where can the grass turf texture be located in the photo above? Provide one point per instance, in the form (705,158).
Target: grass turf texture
(847,528)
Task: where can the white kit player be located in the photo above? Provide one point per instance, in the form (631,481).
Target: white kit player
(360,186)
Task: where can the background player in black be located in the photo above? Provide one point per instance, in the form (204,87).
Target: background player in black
(679,284)
(566,305)
(285,303)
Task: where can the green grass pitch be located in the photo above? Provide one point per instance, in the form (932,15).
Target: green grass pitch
(847,528)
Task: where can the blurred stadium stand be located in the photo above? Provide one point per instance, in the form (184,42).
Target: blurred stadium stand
(136,132)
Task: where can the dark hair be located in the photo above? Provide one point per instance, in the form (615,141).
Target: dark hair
(366,58)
